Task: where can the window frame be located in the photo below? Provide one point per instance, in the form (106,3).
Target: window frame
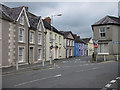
(39,54)
(55,37)
(39,27)
(99,49)
(23,31)
(39,39)
(21,61)
(59,39)
(102,32)
(31,38)
(21,20)
(59,51)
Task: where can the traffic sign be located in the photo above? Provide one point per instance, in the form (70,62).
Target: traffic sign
(51,47)
(96,45)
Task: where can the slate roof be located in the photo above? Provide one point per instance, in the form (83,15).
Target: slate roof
(5,16)
(86,40)
(12,12)
(48,26)
(66,33)
(108,20)
(77,39)
(33,20)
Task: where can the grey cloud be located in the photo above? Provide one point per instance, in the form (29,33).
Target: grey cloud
(77,17)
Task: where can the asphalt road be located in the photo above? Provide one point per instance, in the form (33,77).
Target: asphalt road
(77,73)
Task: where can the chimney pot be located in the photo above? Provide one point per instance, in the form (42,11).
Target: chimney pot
(48,19)
(26,8)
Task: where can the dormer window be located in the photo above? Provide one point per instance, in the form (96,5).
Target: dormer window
(102,32)
(22,20)
(39,27)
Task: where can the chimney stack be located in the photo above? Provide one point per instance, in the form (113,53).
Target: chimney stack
(26,8)
(78,36)
(48,19)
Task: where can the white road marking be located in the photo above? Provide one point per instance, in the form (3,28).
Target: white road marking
(89,69)
(118,78)
(58,75)
(113,81)
(58,67)
(76,65)
(108,85)
(65,61)
(51,68)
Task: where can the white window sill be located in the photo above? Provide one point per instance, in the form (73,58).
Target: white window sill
(32,43)
(39,44)
(20,61)
(103,53)
(21,23)
(39,30)
(21,42)
(39,59)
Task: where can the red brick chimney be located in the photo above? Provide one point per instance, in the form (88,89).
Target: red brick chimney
(48,19)
(26,8)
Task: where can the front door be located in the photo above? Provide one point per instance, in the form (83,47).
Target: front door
(31,55)
(67,53)
(56,53)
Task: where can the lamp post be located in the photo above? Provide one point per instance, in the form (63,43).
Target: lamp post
(51,53)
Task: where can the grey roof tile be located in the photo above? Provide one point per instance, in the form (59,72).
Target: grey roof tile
(12,12)
(48,26)
(108,20)
(33,20)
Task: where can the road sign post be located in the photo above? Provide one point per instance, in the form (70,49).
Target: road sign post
(95,42)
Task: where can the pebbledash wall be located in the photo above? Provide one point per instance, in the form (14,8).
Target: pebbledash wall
(8,45)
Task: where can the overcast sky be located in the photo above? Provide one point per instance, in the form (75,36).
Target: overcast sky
(76,17)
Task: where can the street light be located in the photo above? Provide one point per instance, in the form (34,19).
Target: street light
(51,53)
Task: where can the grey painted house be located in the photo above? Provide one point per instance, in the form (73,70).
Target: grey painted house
(36,39)
(107,32)
(69,43)
(17,37)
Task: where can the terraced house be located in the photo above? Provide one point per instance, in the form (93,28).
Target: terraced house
(90,46)
(68,43)
(54,41)
(17,36)
(36,39)
(79,46)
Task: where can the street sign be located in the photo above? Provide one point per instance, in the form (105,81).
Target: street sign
(95,41)
(51,47)
(96,45)
(116,42)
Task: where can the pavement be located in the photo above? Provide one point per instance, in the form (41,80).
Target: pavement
(70,73)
